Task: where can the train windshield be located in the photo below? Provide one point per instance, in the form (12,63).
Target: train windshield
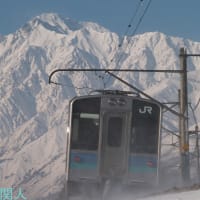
(145,127)
(85,124)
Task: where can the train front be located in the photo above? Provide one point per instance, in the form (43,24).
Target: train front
(113,137)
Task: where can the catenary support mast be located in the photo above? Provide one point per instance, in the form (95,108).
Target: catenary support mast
(184,137)
(183,122)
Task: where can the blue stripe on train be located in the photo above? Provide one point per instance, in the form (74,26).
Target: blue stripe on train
(83,160)
(140,163)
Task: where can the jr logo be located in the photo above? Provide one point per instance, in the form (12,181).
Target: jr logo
(146,109)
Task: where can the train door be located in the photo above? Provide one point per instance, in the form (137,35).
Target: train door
(115,134)
(114,162)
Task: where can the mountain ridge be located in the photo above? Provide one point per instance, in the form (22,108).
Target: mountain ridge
(33,114)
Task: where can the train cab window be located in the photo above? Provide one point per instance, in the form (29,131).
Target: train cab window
(85,129)
(114,135)
(85,124)
(144,139)
(145,128)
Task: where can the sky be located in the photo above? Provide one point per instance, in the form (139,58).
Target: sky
(173,17)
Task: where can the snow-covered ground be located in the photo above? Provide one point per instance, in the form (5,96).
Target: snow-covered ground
(193,195)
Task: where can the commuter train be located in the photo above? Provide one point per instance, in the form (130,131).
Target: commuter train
(113,135)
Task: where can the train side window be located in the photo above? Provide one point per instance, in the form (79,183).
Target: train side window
(114,136)
(85,131)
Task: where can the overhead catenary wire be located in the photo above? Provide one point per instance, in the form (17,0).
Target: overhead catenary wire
(79,88)
(83,87)
(133,32)
(141,18)
(193,113)
(129,27)
(118,55)
(100,76)
(131,22)
(121,80)
(197,104)
(137,27)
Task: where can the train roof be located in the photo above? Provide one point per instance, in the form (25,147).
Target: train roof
(111,93)
(115,92)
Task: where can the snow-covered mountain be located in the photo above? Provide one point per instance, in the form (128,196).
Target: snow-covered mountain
(34,114)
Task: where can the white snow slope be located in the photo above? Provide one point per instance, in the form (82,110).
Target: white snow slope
(34,114)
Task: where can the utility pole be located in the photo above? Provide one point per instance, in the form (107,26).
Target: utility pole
(197,147)
(183,122)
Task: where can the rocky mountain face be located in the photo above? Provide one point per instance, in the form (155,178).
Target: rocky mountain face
(34,114)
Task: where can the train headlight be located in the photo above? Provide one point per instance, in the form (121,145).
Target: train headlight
(68,130)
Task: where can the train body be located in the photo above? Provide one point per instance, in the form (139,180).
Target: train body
(113,135)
